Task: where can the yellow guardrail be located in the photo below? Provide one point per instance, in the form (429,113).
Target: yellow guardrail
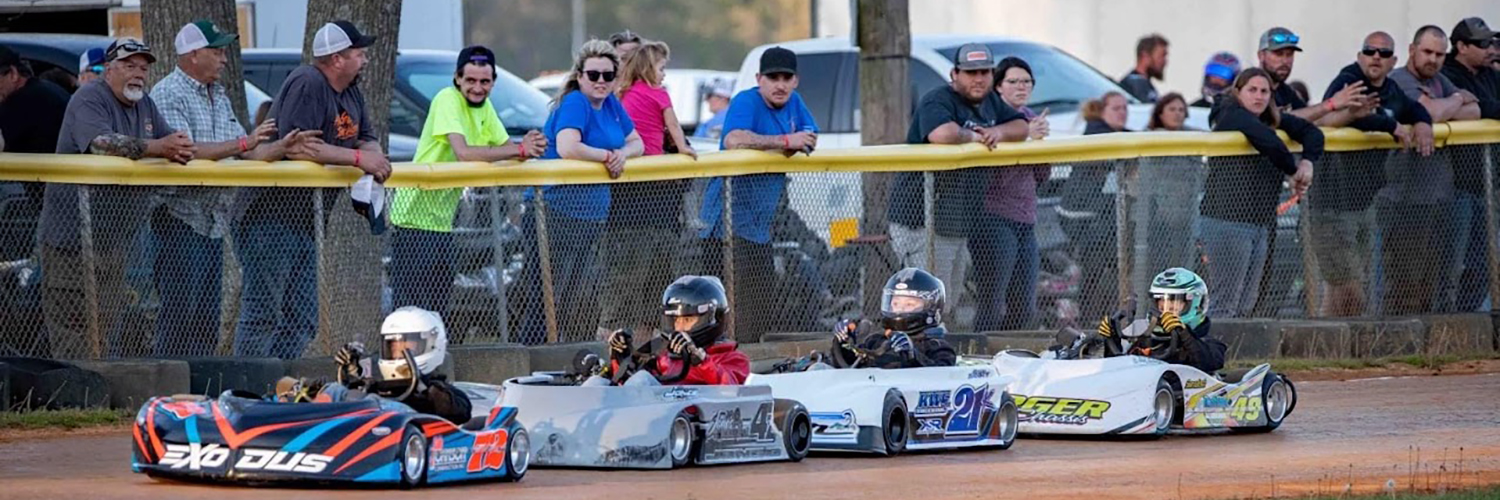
(90,169)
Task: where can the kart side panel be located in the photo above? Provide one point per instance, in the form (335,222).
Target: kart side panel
(1088,396)
(1209,403)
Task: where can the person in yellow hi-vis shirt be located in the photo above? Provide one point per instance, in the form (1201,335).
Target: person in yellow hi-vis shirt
(461,126)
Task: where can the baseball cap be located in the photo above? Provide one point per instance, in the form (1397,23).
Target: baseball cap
(1279,38)
(626,36)
(91,57)
(337,36)
(476,54)
(778,60)
(9,57)
(973,56)
(1472,29)
(125,47)
(1223,65)
(722,87)
(200,34)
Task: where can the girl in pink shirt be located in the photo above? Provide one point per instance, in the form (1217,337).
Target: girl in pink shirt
(647,102)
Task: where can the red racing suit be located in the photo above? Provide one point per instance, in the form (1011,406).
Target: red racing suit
(725,365)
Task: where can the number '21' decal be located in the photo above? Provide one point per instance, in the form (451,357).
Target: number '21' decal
(968,403)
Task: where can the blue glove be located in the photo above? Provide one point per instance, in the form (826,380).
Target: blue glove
(900,343)
(846,331)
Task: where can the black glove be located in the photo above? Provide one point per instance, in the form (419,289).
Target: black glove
(619,343)
(900,343)
(347,359)
(682,345)
(846,332)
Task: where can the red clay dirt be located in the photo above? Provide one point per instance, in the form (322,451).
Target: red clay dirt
(1362,433)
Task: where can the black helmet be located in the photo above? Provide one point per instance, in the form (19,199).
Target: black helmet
(701,296)
(898,310)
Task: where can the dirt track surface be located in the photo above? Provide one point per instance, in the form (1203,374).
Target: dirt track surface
(1365,429)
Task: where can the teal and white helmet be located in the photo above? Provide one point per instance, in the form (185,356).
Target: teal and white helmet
(1185,285)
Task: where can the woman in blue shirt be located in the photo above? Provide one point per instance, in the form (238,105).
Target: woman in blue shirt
(587,123)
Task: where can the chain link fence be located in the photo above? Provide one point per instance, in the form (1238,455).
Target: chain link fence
(99,271)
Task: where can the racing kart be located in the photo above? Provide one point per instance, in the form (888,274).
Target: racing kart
(1075,388)
(242,438)
(652,426)
(888,411)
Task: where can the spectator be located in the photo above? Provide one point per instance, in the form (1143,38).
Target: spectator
(1150,64)
(1409,193)
(718,102)
(1240,194)
(191,222)
(1218,74)
(587,123)
(90,65)
(31,109)
(112,116)
(274,239)
(1006,259)
(461,126)
(624,43)
(1278,51)
(1467,65)
(1169,115)
(1461,266)
(768,117)
(1167,203)
(645,217)
(61,78)
(1087,211)
(1495,53)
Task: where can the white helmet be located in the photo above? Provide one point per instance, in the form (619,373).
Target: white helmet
(416,329)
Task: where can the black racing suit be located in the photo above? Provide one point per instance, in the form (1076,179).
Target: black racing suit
(438,397)
(928,349)
(1195,348)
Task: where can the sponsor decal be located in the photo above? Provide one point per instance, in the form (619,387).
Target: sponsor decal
(932,403)
(729,436)
(679,394)
(1066,411)
(979,373)
(634,455)
(489,451)
(195,456)
(444,458)
(1216,402)
(931,426)
(834,422)
(553,451)
(281,461)
(1195,383)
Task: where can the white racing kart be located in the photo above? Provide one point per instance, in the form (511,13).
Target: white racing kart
(888,411)
(1064,391)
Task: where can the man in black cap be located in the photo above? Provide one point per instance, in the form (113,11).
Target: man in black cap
(769,117)
(1278,50)
(1468,64)
(31,109)
(968,110)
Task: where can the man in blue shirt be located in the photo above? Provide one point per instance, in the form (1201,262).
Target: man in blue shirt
(769,117)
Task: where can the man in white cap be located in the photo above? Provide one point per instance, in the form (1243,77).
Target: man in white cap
(90,65)
(719,91)
(274,238)
(192,221)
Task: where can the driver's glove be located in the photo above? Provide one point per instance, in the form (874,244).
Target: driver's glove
(619,343)
(900,343)
(845,332)
(1107,328)
(1170,322)
(682,345)
(347,359)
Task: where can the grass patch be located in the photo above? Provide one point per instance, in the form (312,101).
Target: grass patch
(1485,493)
(1414,360)
(63,419)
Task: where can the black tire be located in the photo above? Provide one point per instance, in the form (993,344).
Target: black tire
(412,458)
(1009,420)
(796,428)
(517,454)
(681,438)
(895,428)
(1163,407)
(1278,398)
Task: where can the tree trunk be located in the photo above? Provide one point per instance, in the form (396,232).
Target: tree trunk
(884,37)
(378,18)
(160,21)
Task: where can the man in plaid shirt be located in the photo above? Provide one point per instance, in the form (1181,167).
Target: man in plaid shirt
(191,222)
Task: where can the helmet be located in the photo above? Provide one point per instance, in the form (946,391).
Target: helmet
(912,301)
(701,296)
(417,330)
(1181,284)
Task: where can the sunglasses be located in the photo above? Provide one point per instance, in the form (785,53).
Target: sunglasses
(98,68)
(594,76)
(1384,53)
(130,46)
(1483,44)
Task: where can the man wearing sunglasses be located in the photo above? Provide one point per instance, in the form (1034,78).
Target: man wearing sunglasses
(1468,64)
(1278,51)
(90,66)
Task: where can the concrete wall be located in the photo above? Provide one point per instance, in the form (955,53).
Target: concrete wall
(1103,32)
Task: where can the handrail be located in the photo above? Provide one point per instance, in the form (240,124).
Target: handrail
(91,169)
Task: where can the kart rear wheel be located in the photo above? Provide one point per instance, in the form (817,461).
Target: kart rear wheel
(1008,419)
(893,423)
(1163,407)
(413,458)
(796,432)
(680,440)
(1278,397)
(517,454)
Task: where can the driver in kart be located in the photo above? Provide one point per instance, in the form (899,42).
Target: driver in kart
(911,308)
(411,330)
(695,309)
(1180,304)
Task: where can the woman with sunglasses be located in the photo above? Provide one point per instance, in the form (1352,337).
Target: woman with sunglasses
(588,124)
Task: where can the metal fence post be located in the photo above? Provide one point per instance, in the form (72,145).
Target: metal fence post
(498,259)
(1132,246)
(544,254)
(929,219)
(96,328)
(727,260)
(1492,226)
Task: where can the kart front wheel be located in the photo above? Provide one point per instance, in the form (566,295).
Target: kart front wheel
(517,454)
(1278,399)
(1163,406)
(893,423)
(413,457)
(680,440)
(1008,422)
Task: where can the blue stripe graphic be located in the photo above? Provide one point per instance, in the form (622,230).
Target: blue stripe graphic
(308,436)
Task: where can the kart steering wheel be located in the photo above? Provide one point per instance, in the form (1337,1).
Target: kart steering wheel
(1154,349)
(630,365)
(374,382)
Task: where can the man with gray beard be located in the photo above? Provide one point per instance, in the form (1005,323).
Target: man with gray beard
(86,252)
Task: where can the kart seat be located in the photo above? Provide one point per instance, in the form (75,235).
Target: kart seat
(475,424)
(1233,376)
(263,411)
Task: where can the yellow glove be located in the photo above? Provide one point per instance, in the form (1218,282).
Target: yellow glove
(1106,328)
(1169,322)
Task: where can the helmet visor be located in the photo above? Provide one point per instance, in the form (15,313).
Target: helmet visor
(904,301)
(1175,303)
(393,345)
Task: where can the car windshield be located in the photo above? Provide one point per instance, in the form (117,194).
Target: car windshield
(1061,80)
(519,105)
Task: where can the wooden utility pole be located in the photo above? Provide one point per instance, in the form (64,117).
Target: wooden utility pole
(883,32)
(162,19)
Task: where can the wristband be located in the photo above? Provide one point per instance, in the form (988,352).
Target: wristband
(786,142)
(356,157)
(244,144)
(522,148)
(1329,104)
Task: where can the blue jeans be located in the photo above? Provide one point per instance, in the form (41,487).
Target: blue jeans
(1236,254)
(1005,271)
(189,270)
(421,269)
(279,299)
(576,285)
(1464,277)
